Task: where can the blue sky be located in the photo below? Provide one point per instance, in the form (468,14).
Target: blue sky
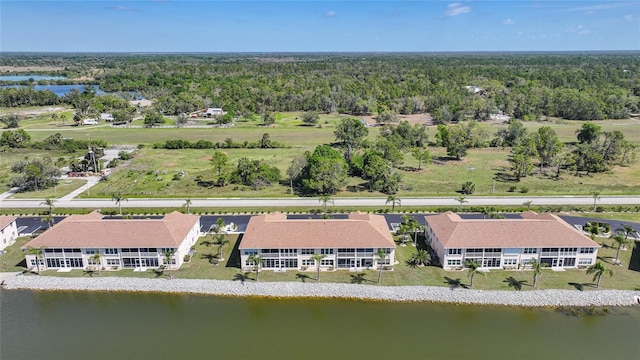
(317,26)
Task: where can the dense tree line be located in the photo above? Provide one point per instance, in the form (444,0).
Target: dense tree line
(264,143)
(572,86)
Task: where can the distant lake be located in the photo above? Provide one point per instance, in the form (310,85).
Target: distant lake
(59,90)
(27,77)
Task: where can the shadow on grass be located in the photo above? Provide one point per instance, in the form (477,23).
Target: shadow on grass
(158,272)
(515,283)
(211,258)
(89,272)
(455,283)
(359,279)
(302,277)
(234,256)
(634,262)
(242,277)
(581,286)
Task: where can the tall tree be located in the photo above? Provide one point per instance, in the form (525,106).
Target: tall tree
(118,198)
(220,162)
(168,260)
(318,259)
(38,254)
(547,145)
(598,269)
(326,171)
(461,200)
(49,202)
(324,200)
(393,200)
(350,132)
(97,258)
(296,170)
(382,257)
(596,197)
(256,260)
(220,241)
(422,155)
(589,133)
(474,268)
(35,174)
(536,266)
(310,118)
(187,204)
(621,242)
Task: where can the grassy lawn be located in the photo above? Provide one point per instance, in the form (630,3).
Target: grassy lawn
(64,187)
(628,216)
(626,277)
(481,166)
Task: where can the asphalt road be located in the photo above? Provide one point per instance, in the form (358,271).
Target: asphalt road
(313,202)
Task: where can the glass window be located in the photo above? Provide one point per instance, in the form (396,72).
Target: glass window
(530,250)
(308,252)
(585,261)
(326,251)
(454,251)
(454,262)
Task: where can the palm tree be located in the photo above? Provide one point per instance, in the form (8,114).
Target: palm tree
(528,204)
(168,257)
(48,202)
(419,258)
(38,253)
(97,258)
(394,200)
(627,230)
(220,224)
(318,258)
(474,268)
(49,219)
(118,198)
(403,230)
(220,241)
(536,266)
(598,269)
(256,260)
(621,241)
(461,200)
(324,199)
(187,204)
(596,197)
(382,256)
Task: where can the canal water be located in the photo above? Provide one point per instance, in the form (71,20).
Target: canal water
(104,325)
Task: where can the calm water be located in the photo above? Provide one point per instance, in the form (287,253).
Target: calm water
(27,77)
(82,325)
(60,90)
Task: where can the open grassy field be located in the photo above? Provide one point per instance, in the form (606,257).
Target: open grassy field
(485,167)
(481,166)
(63,188)
(626,276)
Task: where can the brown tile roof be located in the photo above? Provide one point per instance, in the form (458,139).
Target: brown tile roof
(534,230)
(91,231)
(273,231)
(6,220)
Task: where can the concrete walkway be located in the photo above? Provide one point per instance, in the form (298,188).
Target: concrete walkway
(9,193)
(91,182)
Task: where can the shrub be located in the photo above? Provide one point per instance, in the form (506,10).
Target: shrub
(468,188)
(512,189)
(524,189)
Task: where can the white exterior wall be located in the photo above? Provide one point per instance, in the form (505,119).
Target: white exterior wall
(509,254)
(357,258)
(8,235)
(86,253)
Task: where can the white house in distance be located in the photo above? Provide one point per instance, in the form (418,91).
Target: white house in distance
(288,244)
(130,243)
(8,231)
(213,112)
(508,243)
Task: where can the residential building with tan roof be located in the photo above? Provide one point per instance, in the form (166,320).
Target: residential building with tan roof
(508,243)
(8,231)
(289,244)
(121,243)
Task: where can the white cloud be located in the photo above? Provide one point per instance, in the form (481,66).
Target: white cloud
(455,9)
(123,8)
(330,13)
(628,17)
(580,30)
(601,6)
(509,21)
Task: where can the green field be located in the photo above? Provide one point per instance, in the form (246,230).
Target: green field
(484,166)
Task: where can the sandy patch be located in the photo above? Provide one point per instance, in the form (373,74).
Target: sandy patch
(40,111)
(423,119)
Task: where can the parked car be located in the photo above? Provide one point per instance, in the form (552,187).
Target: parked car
(89,122)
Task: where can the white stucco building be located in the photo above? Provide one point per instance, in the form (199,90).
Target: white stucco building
(130,243)
(289,244)
(8,231)
(508,243)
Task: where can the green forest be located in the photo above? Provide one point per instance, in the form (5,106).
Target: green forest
(578,86)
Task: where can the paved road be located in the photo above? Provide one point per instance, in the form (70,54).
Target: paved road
(338,202)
